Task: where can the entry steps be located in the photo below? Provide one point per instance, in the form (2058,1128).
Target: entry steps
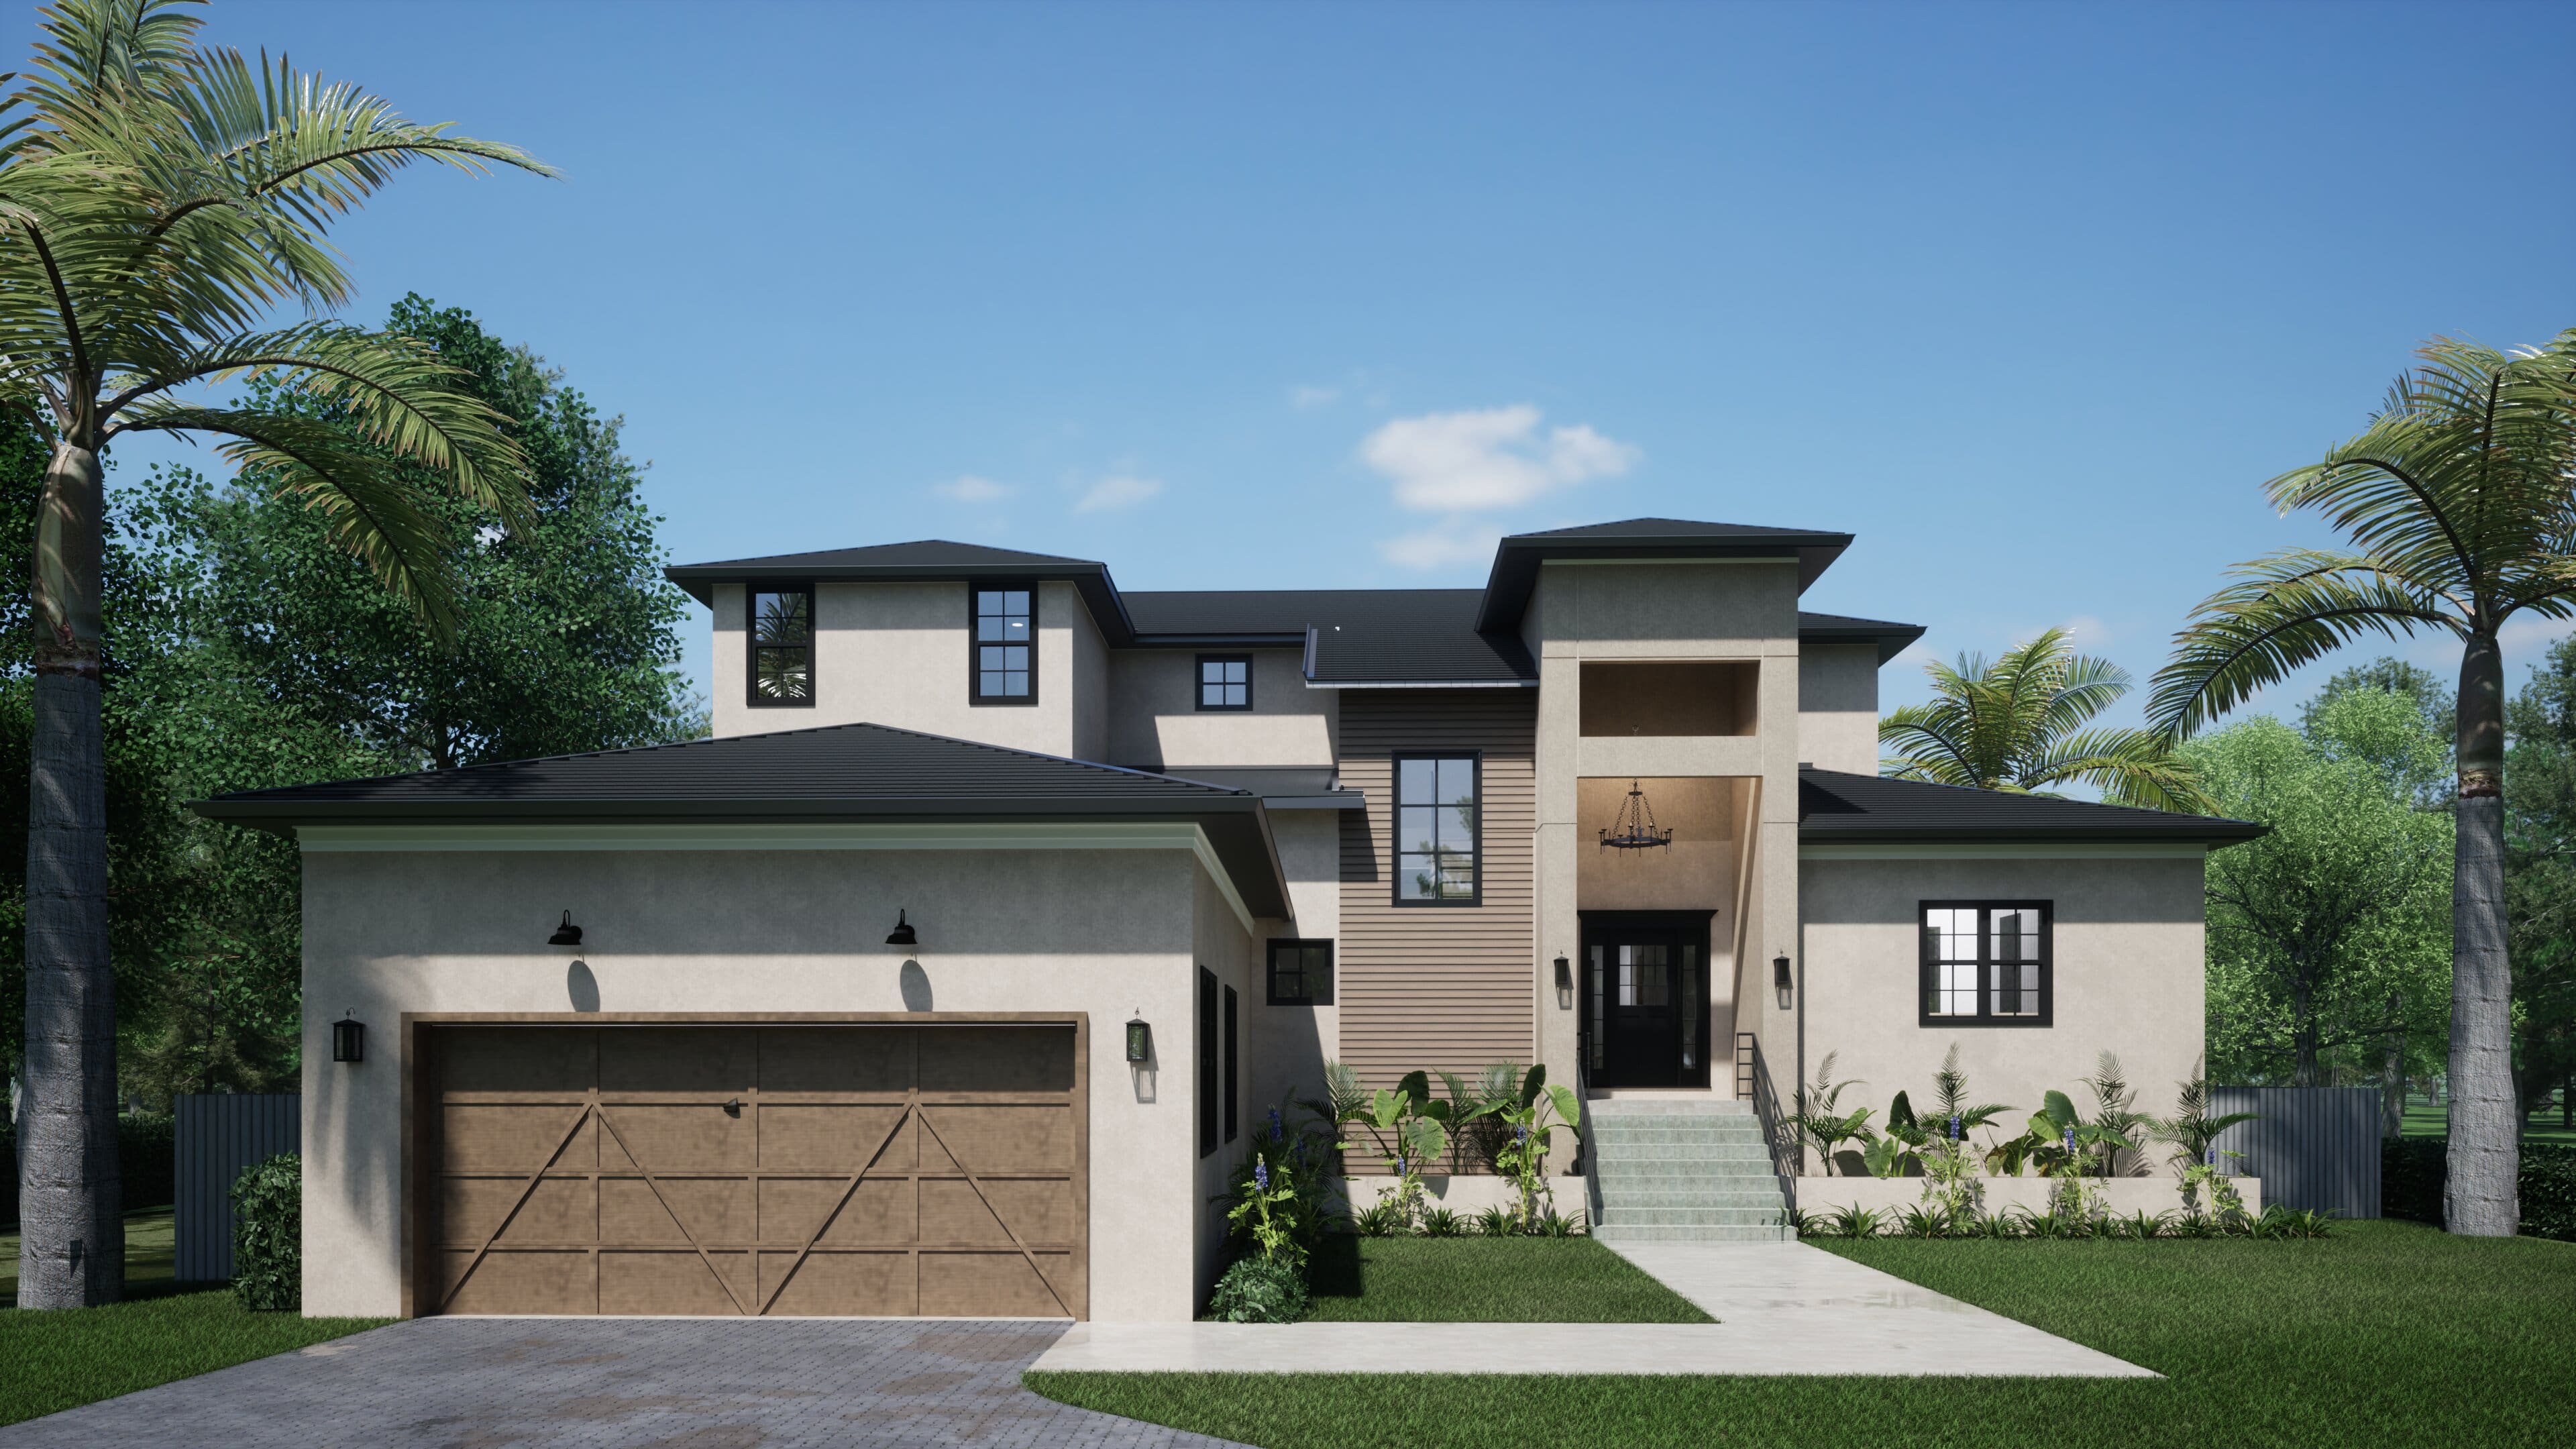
(1683,1170)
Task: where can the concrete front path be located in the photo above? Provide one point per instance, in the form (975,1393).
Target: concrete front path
(620,1383)
(1782,1308)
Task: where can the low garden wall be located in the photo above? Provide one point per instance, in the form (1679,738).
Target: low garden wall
(2120,1195)
(1462,1194)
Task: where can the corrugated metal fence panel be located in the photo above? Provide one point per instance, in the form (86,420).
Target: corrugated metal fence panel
(2313,1147)
(219,1135)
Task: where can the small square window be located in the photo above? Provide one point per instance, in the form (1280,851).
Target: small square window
(1225,682)
(1301,973)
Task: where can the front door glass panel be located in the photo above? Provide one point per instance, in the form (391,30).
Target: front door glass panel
(1645,1001)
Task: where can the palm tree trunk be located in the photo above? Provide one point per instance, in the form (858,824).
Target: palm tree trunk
(71,1250)
(2485,1159)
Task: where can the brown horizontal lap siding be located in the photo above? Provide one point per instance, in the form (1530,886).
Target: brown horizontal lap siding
(1434,987)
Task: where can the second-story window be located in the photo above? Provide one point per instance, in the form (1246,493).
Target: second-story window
(1225,682)
(1003,644)
(1435,830)
(782,647)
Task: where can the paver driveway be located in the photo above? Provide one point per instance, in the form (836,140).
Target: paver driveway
(630,1383)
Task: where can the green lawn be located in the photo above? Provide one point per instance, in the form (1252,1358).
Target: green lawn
(2386,1334)
(54,1361)
(1487,1280)
(2426,1118)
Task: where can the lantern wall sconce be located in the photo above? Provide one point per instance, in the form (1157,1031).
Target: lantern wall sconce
(1564,984)
(1780,980)
(903,934)
(566,934)
(1140,1041)
(349,1039)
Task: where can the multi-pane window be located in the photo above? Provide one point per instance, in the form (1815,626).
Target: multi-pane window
(1435,829)
(1301,973)
(1986,961)
(1225,681)
(782,646)
(1004,665)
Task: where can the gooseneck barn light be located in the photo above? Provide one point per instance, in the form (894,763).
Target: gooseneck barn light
(349,1039)
(566,934)
(903,934)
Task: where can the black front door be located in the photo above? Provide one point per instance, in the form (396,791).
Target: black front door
(1645,998)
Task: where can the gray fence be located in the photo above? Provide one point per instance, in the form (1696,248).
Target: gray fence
(219,1135)
(2313,1147)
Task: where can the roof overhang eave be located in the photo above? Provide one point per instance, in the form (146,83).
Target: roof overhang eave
(1514,576)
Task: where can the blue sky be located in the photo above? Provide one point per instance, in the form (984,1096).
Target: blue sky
(2031,298)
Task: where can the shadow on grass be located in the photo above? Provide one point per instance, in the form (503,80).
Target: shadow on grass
(1334,1271)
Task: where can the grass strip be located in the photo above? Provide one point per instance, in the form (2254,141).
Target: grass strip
(62,1359)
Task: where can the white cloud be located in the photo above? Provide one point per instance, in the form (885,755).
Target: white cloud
(1451,543)
(1494,458)
(1119,490)
(2086,632)
(967,488)
(1304,396)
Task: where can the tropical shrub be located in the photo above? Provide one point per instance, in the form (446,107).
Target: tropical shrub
(268,1235)
(1259,1290)
(1820,1121)
(1523,1154)
(1277,1201)
(1406,1131)
(1854,1222)
(1553,1224)
(1441,1222)
(1381,1219)
(1498,1222)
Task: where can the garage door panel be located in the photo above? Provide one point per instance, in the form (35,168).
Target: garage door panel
(837,1059)
(998,1139)
(536,1206)
(714,1210)
(878,1284)
(668,1137)
(673,1282)
(800,1136)
(710,1059)
(548,1282)
(996,1059)
(989,1285)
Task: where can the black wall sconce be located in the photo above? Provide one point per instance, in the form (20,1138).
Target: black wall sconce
(349,1039)
(566,934)
(1140,1041)
(903,934)
(1564,984)
(1780,980)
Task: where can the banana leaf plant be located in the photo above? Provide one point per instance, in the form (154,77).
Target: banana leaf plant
(2058,1141)
(1523,1158)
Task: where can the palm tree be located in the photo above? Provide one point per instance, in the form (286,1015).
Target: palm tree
(157,201)
(2018,724)
(2460,502)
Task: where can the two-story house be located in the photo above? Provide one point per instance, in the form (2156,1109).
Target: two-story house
(947,975)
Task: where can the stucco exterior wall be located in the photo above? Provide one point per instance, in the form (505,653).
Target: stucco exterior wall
(1288,1045)
(1111,933)
(1155,721)
(1220,944)
(1838,707)
(2127,977)
(897,654)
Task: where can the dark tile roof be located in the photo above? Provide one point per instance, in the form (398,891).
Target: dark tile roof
(1286,614)
(1280,787)
(938,553)
(1890,636)
(924,560)
(1834,806)
(836,772)
(1517,558)
(1633,528)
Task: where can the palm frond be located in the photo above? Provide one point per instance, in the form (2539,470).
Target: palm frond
(2286,609)
(2130,767)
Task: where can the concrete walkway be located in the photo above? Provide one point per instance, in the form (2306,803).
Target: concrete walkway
(1782,1308)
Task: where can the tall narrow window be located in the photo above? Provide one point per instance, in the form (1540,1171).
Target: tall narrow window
(782,647)
(1436,830)
(1211,1050)
(1987,962)
(1233,1068)
(1225,682)
(1003,644)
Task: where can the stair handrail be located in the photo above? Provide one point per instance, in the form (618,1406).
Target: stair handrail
(1753,1082)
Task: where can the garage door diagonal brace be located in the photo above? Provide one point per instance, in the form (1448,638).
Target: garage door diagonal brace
(526,1189)
(909,1107)
(676,1221)
(968,1174)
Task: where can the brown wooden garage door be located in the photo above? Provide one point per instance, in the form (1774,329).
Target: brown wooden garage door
(787,1169)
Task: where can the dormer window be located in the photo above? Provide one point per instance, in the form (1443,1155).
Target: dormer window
(1002,644)
(1225,682)
(782,647)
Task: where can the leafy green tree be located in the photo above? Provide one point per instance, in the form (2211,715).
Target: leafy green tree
(2327,935)
(2458,501)
(2540,881)
(159,199)
(2018,724)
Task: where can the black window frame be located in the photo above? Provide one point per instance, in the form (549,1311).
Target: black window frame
(975,695)
(1304,978)
(1927,979)
(1208,1050)
(752,648)
(1233,1065)
(1199,683)
(1395,830)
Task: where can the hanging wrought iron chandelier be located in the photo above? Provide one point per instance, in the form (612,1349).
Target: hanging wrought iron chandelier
(1635,827)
